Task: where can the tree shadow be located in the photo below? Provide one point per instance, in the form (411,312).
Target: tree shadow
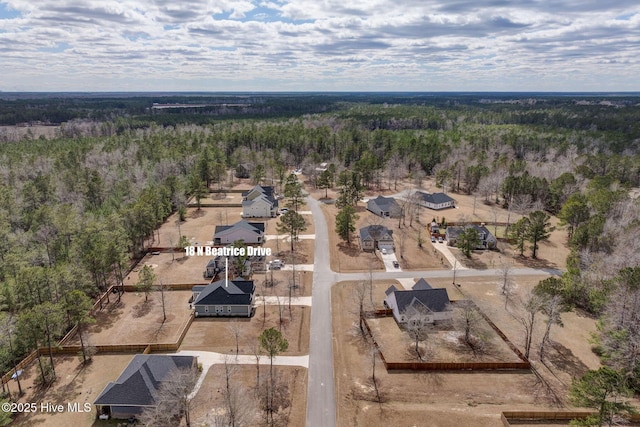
(142,309)
(563,359)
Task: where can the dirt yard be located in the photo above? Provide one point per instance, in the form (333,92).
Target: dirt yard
(210,402)
(456,398)
(173,268)
(75,384)
(443,343)
(282,279)
(135,321)
(209,334)
(198,227)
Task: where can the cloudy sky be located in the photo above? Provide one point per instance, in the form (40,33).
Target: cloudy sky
(320,45)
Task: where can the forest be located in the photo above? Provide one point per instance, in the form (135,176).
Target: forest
(76,209)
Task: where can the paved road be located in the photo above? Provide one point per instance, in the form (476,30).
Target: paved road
(321,398)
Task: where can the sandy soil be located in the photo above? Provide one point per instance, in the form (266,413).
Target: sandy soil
(214,334)
(198,227)
(415,399)
(75,384)
(443,343)
(455,398)
(282,278)
(136,321)
(209,401)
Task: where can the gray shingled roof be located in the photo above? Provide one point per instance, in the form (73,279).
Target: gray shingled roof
(435,198)
(237,292)
(385,203)
(374,232)
(435,299)
(140,380)
(256,227)
(391,290)
(421,285)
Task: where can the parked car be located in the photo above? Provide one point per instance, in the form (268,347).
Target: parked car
(433,239)
(284,211)
(440,240)
(276,264)
(383,251)
(396,264)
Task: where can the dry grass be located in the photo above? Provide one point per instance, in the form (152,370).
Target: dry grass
(213,334)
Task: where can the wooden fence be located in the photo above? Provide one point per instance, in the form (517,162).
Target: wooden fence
(540,416)
(450,366)
(215,205)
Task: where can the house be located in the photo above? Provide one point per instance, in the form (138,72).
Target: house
(420,304)
(250,264)
(224,298)
(487,240)
(259,202)
(137,386)
(244,170)
(436,201)
(375,237)
(386,207)
(251,233)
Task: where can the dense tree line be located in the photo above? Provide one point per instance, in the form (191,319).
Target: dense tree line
(75,210)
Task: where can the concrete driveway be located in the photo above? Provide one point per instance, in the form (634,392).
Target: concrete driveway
(388,260)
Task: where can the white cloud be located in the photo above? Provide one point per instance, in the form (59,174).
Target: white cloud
(320,45)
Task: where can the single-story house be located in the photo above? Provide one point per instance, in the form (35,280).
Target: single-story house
(137,386)
(259,202)
(251,233)
(386,207)
(421,304)
(224,298)
(436,201)
(487,240)
(375,237)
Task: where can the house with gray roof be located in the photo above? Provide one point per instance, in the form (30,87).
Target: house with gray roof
(375,237)
(386,207)
(422,304)
(251,233)
(224,298)
(259,202)
(486,239)
(137,386)
(436,201)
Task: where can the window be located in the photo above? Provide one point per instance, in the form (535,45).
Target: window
(229,309)
(218,309)
(206,308)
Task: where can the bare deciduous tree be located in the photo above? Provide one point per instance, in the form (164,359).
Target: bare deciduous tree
(173,399)
(418,330)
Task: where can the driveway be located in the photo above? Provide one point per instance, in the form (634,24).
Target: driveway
(443,248)
(388,260)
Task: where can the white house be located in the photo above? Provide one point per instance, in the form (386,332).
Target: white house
(259,202)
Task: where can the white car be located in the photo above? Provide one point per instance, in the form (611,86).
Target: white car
(383,251)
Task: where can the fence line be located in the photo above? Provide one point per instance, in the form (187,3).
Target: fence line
(449,366)
(538,416)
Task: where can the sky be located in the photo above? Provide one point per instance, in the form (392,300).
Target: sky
(320,45)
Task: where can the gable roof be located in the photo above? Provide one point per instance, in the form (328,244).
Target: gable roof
(435,300)
(267,192)
(374,232)
(385,203)
(139,382)
(435,198)
(455,231)
(421,285)
(223,292)
(256,227)
(390,290)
